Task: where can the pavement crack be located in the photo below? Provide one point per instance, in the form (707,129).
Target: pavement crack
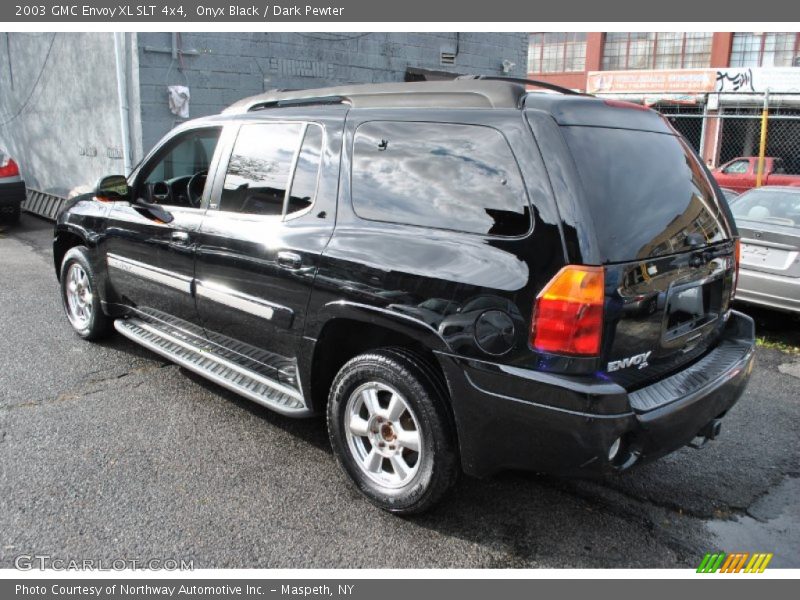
(633,510)
(117,376)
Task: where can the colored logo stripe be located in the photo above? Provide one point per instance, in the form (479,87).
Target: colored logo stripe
(758,563)
(734,563)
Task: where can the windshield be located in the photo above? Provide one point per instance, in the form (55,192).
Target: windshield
(768,206)
(648,194)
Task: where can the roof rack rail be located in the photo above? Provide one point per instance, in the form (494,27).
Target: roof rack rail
(313,101)
(420,94)
(535,82)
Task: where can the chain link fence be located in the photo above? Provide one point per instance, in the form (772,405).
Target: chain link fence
(734,130)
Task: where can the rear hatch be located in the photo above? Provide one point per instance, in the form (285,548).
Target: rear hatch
(665,239)
(768,220)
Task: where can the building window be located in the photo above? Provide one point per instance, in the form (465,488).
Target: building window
(651,50)
(697,50)
(765,50)
(557,52)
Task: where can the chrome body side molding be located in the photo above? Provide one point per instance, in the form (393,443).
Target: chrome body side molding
(149,272)
(244,302)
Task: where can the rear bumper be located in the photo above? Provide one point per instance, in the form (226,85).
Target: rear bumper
(12,194)
(766,289)
(566,425)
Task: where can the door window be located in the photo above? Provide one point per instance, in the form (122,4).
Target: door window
(260,167)
(738,167)
(176,175)
(306,173)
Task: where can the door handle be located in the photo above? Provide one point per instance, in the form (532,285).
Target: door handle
(290,260)
(180,238)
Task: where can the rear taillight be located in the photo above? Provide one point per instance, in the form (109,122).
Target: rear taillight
(9,168)
(568,314)
(737,254)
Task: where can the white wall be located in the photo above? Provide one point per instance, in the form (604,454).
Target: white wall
(59,112)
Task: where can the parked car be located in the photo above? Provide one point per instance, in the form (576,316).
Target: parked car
(729,194)
(768,219)
(740,174)
(306,250)
(12,188)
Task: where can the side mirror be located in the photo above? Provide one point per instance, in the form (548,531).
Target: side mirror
(112,188)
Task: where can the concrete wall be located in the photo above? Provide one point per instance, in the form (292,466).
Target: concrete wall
(59,115)
(230,66)
(59,111)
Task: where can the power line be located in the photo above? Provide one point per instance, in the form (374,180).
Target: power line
(34,86)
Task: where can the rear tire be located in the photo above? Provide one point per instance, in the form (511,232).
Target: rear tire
(79,294)
(9,215)
(391,430)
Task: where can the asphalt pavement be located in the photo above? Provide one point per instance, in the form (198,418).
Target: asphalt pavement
(107,452)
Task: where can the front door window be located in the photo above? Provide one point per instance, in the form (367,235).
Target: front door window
(176,175)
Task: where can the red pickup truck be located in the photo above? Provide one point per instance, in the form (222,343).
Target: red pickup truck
(739,174)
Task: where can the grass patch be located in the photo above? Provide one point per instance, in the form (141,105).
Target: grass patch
(773,344)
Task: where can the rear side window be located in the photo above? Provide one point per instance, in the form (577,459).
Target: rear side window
(647,193)
(444,176)
(259,169)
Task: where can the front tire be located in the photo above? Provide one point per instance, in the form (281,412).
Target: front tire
(391,430)
(79,294)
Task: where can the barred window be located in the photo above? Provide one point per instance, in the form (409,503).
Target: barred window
(557,52)
(651,50)
(697,50)
(765,50)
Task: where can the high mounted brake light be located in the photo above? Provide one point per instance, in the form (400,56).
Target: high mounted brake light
(568,313)
(8,168)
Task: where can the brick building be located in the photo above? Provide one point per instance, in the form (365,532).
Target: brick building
(712,86)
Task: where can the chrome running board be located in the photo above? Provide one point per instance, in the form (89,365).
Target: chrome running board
(253,386)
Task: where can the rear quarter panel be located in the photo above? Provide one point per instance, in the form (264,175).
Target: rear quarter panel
(436,280)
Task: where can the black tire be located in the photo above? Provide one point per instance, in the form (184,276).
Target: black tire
(425,395)
(97,325)
(9,215)
(15,215)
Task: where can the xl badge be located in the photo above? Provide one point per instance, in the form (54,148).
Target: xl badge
(637,360)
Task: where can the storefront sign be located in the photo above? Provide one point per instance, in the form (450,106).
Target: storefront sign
(696,81)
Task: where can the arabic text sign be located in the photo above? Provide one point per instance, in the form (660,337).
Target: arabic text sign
(696,81)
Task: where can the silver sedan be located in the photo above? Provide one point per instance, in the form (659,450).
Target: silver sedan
(768,219)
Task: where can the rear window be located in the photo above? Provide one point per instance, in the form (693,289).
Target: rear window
(647,193)
(768,206)
(444,176)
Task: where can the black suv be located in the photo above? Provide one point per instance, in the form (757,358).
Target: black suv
(463,275)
